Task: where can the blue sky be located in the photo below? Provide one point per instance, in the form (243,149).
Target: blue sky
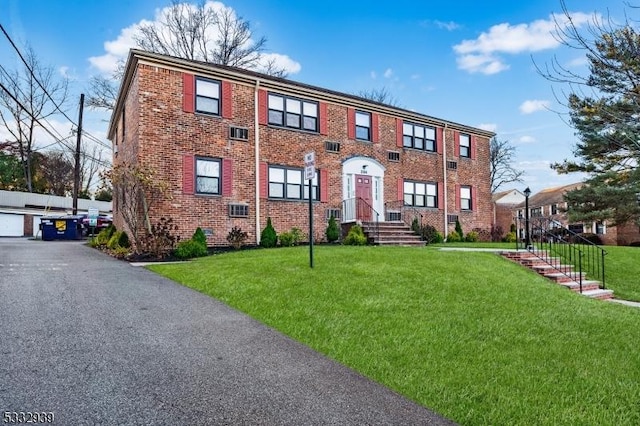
(467,61)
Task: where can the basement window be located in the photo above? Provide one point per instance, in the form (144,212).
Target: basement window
(238,210)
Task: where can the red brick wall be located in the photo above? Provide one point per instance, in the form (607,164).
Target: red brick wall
(159,132)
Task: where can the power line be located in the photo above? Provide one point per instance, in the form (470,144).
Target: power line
(32,73)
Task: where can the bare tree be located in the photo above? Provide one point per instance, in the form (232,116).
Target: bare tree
(29,96)
(502,170)
(206,32)
(382,96)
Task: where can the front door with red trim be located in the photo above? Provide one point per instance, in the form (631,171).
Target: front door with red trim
(364,201)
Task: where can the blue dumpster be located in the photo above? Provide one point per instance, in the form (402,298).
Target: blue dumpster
(61,228)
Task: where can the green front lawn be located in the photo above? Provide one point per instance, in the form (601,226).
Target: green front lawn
(475,337)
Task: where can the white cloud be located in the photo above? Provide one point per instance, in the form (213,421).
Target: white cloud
(535,165)
(118,49)
(529,107)
(526,139)
(449,26)
(481,54)
(388,73)
(491,127)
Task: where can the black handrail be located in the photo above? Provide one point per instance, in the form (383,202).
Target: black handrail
(558,246)
(352,206)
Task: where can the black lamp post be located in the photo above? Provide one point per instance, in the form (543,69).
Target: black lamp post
(527,238)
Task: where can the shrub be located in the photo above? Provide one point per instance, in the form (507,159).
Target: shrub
(199,237)
(123,240)
(471,237)
(189,249)
(484,235)
(496,233)
(355,237)
(161,240)
(429,234)
(592,238)
(459,230)
(510,237)
(453,237)
(415,226)
(333,231)
(513,228)
(268,237)
(102,239)
(298,235)
(113,241)
(237,237)
(286,239)
(120,252)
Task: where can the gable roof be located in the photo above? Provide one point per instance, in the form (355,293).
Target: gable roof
(496,197)
(265,81)
(554,195)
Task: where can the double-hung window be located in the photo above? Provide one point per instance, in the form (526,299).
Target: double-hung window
(466,202)
(207,96)
(207,176)
(293,113)
(419,137)
(289,184)
(363,126)
(465,145)
(420,194)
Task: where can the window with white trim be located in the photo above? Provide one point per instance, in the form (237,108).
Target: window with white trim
(420,194)
(465,145)
(289,184)
(207,176)
(293,113)
(363,126)
(207,96)
(466,203)
(419,137)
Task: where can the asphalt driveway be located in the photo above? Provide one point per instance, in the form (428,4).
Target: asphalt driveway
(96,341)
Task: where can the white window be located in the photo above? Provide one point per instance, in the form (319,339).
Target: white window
(208,96)
(363,126)
(420,194)
(288,183)
(465,198)
(419,137)
(207,176)
(293,113)
(465,145)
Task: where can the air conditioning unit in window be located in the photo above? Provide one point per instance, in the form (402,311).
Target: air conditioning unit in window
(238,210)
(336,213)
(393,156)
(330,146)
(240,133)
(452,218)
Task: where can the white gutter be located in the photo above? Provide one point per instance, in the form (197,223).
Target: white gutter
(444,172)
(257,154)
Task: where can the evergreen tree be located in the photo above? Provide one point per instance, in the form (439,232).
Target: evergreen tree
(604,107)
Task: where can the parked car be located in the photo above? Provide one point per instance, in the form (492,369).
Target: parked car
(102,222)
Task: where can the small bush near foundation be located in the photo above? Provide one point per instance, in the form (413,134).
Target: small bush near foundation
(291,238)
(189,249)
(237,237)
(268,237)
(471,237)
(199,237)
(510,237)
(333,231)
(355,237)
(453,237)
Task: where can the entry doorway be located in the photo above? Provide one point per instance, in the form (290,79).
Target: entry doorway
(364,199)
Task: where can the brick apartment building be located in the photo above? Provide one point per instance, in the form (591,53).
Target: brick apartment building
(550,203)
(230,144)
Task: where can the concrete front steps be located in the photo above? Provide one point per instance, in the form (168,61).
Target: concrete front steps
(391,234)
(563,275)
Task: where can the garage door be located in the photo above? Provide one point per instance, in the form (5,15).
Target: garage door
(11,225)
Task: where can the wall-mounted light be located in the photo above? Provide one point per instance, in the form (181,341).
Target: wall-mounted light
(364,169)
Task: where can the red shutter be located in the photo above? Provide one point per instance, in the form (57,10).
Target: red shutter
(456,143)
(441,196)
(439,139)
(351,123)
(323,118)
(474,200)
(188,173)
(473,147)
(399,135)
(324,185)
(262,106)
(457,198)
(400,189)
(188,103)
(227,177)
(375,128)
(264,169)
(227,99)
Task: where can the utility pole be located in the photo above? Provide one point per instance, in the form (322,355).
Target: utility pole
(76,174)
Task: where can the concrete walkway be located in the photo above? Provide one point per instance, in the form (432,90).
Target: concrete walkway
(96,341)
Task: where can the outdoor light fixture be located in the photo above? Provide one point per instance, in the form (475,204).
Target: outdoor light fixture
(527,239)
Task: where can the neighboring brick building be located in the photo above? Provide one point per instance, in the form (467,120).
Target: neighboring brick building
(504,204)
(230,144)
(550,203)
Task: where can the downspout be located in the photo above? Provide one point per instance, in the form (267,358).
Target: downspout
(444,172)
(256,122)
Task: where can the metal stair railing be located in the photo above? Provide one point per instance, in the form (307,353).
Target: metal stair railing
(407,212)
(357,207)
(558,246)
